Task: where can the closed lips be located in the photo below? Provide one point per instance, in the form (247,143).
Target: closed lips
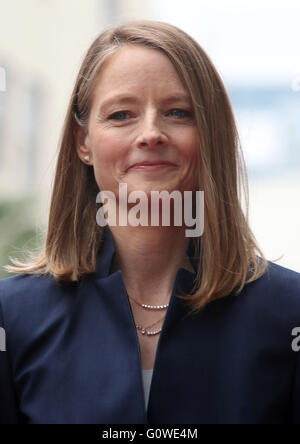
(153,163)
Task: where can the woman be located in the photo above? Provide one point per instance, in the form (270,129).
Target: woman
(102,307)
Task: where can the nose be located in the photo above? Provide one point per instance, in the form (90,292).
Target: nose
(150,133)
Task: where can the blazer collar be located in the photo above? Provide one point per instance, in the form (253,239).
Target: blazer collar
(105,255)
(183,283)
(111,285)
(108,249)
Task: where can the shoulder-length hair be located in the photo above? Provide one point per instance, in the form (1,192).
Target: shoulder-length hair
(228,255)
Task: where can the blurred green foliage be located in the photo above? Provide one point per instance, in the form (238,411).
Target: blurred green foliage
(18,230)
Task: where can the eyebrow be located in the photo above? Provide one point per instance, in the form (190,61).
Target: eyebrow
(126,98)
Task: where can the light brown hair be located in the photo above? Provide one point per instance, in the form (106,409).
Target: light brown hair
(228,253)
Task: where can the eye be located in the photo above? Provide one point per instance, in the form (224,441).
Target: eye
(119,115)
(179,113)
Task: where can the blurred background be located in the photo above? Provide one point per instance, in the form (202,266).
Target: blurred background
(254,46)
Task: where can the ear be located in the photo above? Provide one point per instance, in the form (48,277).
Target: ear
(82,144)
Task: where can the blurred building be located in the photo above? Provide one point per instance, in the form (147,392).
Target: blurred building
(268,122)
(42,44)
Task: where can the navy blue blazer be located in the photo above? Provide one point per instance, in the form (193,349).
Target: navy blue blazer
(72,353)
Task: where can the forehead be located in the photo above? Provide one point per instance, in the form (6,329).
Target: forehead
(138,67)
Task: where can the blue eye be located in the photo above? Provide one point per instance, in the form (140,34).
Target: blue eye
(181,113)
(120,115)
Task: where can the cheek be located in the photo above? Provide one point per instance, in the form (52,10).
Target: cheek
(109,158)
(106,152)
(189,152)
(189,147)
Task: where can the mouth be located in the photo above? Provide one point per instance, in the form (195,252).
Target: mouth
(152,166)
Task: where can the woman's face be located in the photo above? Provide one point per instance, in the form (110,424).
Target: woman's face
(141,113)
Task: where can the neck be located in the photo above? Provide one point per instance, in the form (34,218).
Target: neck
(149,258)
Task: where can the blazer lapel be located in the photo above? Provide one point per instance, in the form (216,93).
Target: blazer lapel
(122,337)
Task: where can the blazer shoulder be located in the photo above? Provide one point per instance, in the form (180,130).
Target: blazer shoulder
(278,290)
(30,284)
(25,294)
(24,285)
(282,278)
